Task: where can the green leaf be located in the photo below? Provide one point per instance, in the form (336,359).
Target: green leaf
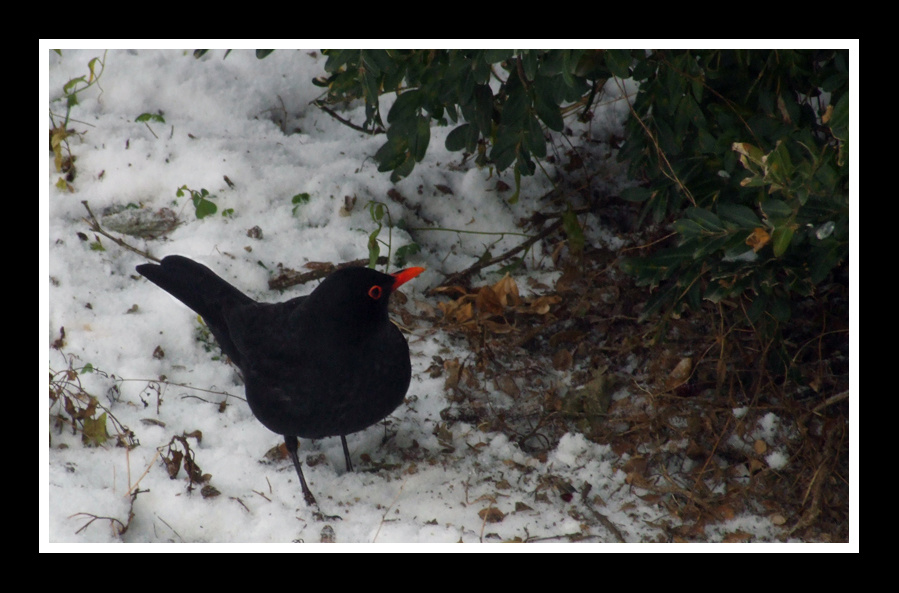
(573,231)
(376,210)
(494,56)
(824,260)
(530,62)
(839,119)
(636,194)
(374,248)
(418,143)
(524,164)
(391,155)
(406,106)
(536,143)
(204,208)
(298,200)
(483,108)
(757,308)
(94,432)
(505,149)
(404,253)
(710,244)
(781,238)
(742,215)
(688,228)
(459,138)
(481,70)
(513,199)
(67,87)
(706,219)
(780,309)
(776,210)
(375,62)
(619,62)
(154,117)
(515,109)
(749,154)
(779,164)
(545,104)
(403,169)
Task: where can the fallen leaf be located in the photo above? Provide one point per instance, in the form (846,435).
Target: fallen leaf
(562,360)
(507,385)
(541,305)
(507,291)
(488,303)
(491,515)
(680,374)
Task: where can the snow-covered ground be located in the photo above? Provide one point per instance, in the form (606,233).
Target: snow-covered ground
(245,130)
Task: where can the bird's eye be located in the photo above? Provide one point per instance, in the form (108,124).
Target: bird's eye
(375,292)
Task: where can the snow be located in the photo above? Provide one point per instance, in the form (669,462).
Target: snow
(224,117)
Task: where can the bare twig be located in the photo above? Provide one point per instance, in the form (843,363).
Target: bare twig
(599,516)
(669,173)
(94,224)
(346,122)
(387,510)
(831,401)
(287,278)
(461,277)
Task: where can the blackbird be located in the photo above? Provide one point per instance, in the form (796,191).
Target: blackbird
(327,364)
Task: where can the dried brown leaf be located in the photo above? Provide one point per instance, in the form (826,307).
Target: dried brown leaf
(497,327)
(507,291)
(736,537)
(452,368)
(562,360)
(541,305)
(449,290)
(488,303)
(680,374)
(491,515)
(506,384)
(573,336)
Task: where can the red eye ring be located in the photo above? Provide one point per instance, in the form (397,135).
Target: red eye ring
(375,292)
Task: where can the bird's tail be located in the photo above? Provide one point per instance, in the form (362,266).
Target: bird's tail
(202,290)
(195,285)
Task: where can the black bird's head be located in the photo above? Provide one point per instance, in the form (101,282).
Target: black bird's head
(357,296)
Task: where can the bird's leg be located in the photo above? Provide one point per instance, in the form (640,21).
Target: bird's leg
(291,443)
(346,454)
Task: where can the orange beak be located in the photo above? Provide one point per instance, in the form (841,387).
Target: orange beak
(404,276)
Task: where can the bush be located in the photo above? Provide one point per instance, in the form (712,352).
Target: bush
(455,85)
(746,150)
(750,150)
